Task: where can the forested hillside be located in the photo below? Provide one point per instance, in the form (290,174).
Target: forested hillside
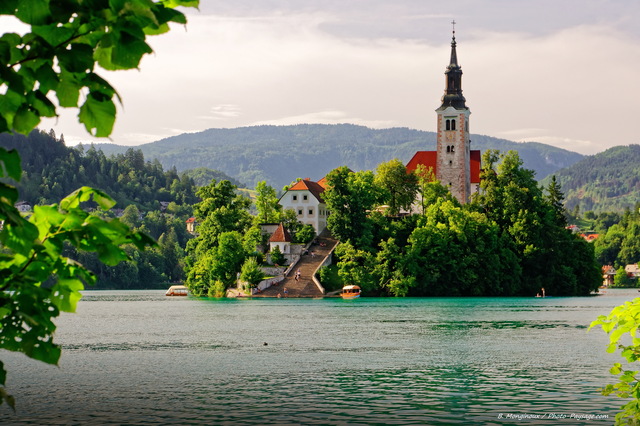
(280,154)
(608,181)
(52,170)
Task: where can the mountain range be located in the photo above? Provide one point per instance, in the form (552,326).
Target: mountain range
(280,154)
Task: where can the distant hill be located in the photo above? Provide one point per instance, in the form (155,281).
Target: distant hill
(608,181)
(280,154)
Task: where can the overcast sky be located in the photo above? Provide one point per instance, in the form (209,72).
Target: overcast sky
(561,72)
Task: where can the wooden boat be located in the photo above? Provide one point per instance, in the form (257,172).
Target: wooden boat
(350,292)
(177,290)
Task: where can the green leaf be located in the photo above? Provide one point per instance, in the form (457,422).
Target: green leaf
(10,164)
(34,12)
(8,7)
(53,34)
(25,120)
(129,51)
(42,104)
(98,115)
(65,294)
(68,92)
(77,58)
(47,78)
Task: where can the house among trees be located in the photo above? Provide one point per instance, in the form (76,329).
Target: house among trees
(305,198)
(632,270)
(281,239)
(608,275)
(192,223)
(453,163)
(23,207)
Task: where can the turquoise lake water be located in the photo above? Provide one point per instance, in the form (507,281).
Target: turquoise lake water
(138,357)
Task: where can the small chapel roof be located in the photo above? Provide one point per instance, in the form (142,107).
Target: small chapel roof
(280,235)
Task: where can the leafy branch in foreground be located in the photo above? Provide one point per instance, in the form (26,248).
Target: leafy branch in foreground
(36,281)
(59,56)
(623,321)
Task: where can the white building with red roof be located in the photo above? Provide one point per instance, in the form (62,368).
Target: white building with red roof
(305,198)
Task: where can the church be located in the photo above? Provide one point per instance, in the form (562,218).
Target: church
(453,162)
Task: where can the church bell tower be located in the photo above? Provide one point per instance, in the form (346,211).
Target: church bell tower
(453,147)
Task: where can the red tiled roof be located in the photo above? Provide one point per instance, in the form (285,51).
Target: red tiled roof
(430,160)
(475,165)
(280,235)
(308,185)
(191,220)
(323,182)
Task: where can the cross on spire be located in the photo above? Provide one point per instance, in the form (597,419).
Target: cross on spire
(453,24)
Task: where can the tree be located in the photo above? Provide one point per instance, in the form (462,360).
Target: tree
(266,203)
(277,258)
(398,187)
(251,271)
(58,56)
(305,234)
(429,188)
(348,197)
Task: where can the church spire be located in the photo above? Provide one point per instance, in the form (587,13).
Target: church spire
(453,82)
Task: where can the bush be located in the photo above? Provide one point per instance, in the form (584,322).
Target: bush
(305,234)
(277,258)
(218,289)
(251,271)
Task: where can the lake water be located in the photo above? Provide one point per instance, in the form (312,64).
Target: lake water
(138,357)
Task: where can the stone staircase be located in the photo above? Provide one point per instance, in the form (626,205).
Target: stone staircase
(308,263)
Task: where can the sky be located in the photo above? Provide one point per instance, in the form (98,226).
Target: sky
(560,72)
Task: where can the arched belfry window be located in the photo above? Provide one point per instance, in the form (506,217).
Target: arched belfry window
(448,125)
(448,148)
(453,124)
(451,148)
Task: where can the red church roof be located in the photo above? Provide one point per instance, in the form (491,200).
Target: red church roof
(430,160)
(280,235)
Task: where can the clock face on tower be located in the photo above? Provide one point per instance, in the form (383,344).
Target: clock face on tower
(448,136)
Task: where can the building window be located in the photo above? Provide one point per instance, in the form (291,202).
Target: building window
(452,148)
(450,163)
(448,125)
(453,124)
(448,148)
(294,198)
(299,212)
(310,212)
(305,197)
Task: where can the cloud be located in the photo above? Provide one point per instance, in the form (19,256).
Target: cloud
(325,117)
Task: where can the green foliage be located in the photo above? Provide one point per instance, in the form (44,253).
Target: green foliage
(398,187)
(548,254)
(267,203)
(623,322)
(251,271)
(622,279)
(305,234)
(277,258)
(217,289)
(349,196)
(33,256)
(329,278)
(52,170)
(356,266)
(58,57)
(619,245)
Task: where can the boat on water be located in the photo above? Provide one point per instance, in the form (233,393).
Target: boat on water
(177,290)
(350,292)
